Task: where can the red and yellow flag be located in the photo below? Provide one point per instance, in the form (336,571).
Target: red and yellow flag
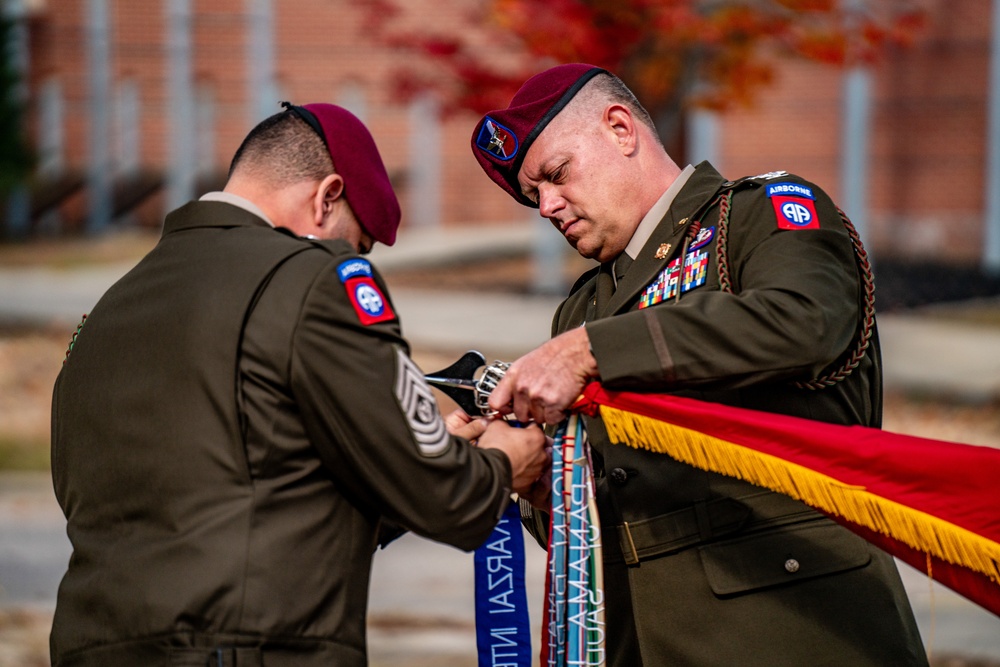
(930,503)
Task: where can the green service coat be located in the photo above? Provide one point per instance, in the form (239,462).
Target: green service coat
(237,418)
(725,573)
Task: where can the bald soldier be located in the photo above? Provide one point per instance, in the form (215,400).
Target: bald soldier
(239,415)
(743,293)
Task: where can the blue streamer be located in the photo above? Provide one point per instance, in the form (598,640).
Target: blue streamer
(503,631)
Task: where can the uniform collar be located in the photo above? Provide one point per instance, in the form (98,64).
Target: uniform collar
(666,239)
(236,200)
(656,213)
(202,214)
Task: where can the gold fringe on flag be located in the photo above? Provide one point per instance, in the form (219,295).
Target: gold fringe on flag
(916,529)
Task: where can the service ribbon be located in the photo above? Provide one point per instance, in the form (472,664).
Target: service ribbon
(503,631)
(574,630)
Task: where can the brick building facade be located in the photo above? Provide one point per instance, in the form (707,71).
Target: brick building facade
(928,115)
(928,136)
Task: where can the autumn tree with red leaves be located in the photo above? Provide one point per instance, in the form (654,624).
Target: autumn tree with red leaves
(674,54)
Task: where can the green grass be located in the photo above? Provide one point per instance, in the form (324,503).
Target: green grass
(18,454)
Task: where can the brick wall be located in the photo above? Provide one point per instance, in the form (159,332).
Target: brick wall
(321,54)
(927,136)
(928,127)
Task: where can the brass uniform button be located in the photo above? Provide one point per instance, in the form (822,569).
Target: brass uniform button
(791,566)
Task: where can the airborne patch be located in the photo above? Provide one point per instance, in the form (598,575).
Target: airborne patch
(368,301)
(420,407)
(794,205)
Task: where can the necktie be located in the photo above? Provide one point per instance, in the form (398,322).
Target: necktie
(607,280)
(605,287)
(620,267)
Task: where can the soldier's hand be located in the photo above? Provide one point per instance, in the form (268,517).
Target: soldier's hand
(462,425)
(526,447)
(539,494)
(542,384)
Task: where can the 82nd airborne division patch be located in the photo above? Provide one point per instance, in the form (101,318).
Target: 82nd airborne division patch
(368,301)
(794,205)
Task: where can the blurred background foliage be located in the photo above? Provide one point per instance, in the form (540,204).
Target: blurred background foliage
(674,54)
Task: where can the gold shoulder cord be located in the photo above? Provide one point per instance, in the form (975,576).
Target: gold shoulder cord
(867,326)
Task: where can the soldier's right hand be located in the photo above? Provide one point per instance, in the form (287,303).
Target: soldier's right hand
(526,447)
(543,384)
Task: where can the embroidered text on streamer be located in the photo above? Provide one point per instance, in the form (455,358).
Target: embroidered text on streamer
(573,629)
(503,632)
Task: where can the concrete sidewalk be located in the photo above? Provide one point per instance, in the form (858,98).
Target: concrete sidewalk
(421,606)
(933,355)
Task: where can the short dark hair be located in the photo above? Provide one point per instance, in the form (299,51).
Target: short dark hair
(282,149)
(615,90)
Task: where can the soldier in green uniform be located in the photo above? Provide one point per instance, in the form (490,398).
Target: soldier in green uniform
(745,293)
(239,416)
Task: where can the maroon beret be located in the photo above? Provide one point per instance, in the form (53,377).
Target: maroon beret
(357,160)
(502,138)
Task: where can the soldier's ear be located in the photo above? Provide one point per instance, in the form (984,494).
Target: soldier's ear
(619,121)
(330,189)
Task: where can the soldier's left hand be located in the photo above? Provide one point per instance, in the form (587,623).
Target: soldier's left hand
(540,493)
(542,384)
(462,425)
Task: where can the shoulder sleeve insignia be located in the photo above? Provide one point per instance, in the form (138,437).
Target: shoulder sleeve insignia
(420,407)
(364,294)
(794,205)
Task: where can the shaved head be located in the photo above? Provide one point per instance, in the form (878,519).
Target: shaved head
(606,88)
(281,151)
